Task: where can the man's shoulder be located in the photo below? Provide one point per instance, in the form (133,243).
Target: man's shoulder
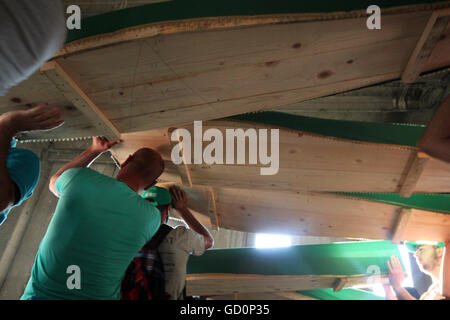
(184,235)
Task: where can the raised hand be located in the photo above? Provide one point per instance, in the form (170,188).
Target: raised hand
(38,118)
(179,199)
(396,273)
(102,144)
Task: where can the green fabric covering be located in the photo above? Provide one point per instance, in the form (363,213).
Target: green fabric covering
(349,258)
(344,294)
(191,9)
(387,133)
(429,202)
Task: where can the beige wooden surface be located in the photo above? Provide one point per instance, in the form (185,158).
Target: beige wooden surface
(223,284)
(289,202)
(174,79)
(307,163)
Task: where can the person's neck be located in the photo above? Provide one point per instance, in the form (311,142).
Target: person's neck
(133,185)
(435,274)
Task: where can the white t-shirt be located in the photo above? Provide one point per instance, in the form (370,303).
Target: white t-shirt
(175,250)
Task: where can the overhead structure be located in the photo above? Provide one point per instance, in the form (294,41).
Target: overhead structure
(143,72)
(313,192)
(170,63)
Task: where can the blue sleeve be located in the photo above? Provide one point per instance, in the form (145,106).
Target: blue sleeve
(64,180)
(23,168)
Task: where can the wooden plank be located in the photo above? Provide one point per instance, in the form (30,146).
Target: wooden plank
(325,215)
(263,296)
(66,82)
(401,225)
(221,284)
(168,81)
(213,213)
(432,33)
(424,225)
(413,172)
(305,164)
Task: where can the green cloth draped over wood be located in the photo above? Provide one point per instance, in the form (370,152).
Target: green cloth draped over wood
(347,258)
(385,133)
(344,294)
(431,202)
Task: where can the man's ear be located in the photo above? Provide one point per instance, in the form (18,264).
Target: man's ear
(126,161)
(440,252)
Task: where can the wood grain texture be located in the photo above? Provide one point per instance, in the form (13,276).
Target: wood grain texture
(174,79)
(307,163)
(222,284)
(434,30)
(413,172)
(66,81)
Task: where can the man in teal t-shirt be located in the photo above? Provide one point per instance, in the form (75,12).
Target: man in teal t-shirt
(99,225)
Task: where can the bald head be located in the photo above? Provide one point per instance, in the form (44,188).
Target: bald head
(142,169)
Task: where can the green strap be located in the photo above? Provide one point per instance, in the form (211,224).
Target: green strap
(386,133)
(428,202)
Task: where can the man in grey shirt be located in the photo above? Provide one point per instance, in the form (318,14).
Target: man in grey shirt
(180,242)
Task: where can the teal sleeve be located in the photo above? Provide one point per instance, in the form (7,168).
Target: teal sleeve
(64,180)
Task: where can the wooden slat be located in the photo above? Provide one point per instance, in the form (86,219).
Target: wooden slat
(65,80)
(413,173)
(434,29)
(213,213)
(263,296)
(176,79)
(221,284)
(400,225)
(305,164)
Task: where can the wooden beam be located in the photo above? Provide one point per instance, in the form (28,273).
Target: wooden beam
(65,81)
(223,284)
(412,173)
(212,210)
(400,225)
(432,33)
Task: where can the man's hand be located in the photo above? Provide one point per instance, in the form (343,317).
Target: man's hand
(179,199)
(38,118)
(396,273)
(101,144)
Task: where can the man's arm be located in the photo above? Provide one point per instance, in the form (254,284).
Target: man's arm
(11,124)
(436,139)
(99,145)
(179,201)
(445,273)
(396,277)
